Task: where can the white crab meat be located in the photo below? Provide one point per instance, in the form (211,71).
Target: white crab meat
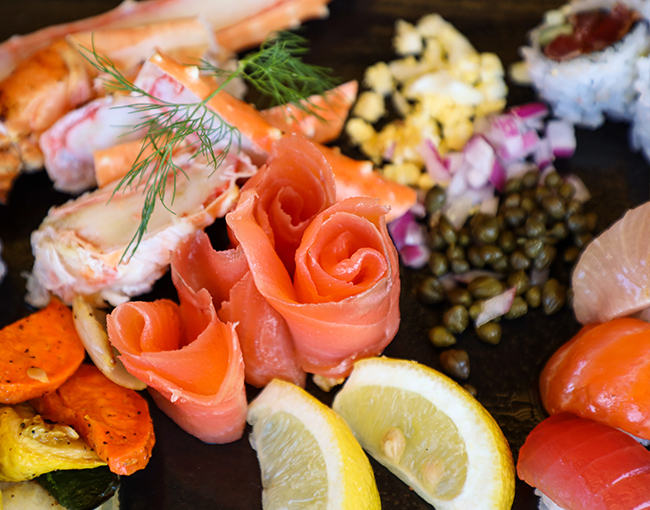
(78,248)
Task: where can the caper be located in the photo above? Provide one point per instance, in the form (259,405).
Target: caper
(577,223)
(459,266)
(456,319)
(474,257)
(541,193)
(513,185)
(460,296)
(527,204)
(540,215)
(447,230)
(582,240)
(455,253)
(553,180)
(476,309)
(490,253)
(528,194)
(559,231)
(518,308)
(591,219)
(553,296)
(533,296)
(549,240)
(515,217)
(435,199)
(545,257)
(507,241)
(435,240)
(456,363)
(431,291)
(519,260)
(441,337)
(501,221)
(571,255)
(530,178)
(464,237)
(534,228)
(569,297)
(566,190)
(554,206)
(438,263)
(470,389)
(573,207)
(533,247)
(501,265)
(490,333)
(486,230)
(519,281)
(484,287)
(512,200)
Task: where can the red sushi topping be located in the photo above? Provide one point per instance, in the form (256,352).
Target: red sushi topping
(584,465)
(592,31)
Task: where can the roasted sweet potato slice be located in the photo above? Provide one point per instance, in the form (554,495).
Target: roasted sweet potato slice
(113,420)
(38,353)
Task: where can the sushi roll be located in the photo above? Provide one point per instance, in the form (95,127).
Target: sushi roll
(582,59)
(641,123)
(579,464)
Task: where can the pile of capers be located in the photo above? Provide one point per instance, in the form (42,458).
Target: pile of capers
(536,222)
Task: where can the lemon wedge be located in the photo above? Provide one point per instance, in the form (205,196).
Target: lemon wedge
(429,432)
(307,454)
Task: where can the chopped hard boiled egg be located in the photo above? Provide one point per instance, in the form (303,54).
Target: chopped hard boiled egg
(438,87)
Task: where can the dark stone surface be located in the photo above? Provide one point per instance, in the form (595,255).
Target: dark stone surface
(186,474)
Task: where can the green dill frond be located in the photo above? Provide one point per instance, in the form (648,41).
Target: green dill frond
(276,71)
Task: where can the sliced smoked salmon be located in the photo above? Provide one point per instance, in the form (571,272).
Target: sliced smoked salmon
(603,374)
(342,303)
(264,336)
(190,360)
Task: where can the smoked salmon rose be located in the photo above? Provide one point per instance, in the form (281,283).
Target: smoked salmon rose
(191,361)
(343,301)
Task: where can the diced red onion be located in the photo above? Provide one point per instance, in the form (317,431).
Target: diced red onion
(543,155)
(415,256)
(582,193)
(529,111)
(496,306)
(458,184)
(479,154)
(457,210)
(498,177)
(448,282)
(562,138)
(490,206)
(531,141)
(436,168)
(470,276)
(418,210)
(406,231)
(519,168)
(454,161)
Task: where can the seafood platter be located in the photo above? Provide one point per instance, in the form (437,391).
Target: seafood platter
(325,254)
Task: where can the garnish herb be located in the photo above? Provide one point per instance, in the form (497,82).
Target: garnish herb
(276,71)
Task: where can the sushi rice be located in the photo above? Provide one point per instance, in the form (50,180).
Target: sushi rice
(640,135)
(585,89)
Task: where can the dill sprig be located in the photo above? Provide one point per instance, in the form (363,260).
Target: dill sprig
(276,71)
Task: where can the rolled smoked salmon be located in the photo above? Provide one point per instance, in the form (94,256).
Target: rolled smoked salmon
(342,304)
(583,465)
(603,374)
(295,186)
(189,358)
(264,337)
